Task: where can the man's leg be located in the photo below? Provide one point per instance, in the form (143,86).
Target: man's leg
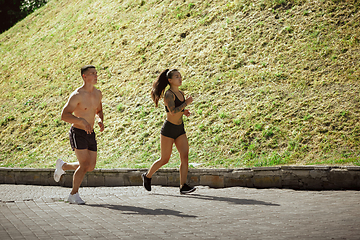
(70,166)
(87,162)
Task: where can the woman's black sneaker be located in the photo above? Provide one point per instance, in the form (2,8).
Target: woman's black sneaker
(186,189)
(146,182)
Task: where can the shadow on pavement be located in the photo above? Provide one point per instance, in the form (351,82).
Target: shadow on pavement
(222,199)
(142,211)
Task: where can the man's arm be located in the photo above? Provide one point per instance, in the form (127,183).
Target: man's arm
(100,115)
(68,116)
(100,118)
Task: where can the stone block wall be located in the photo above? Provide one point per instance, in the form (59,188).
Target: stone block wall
(293,177)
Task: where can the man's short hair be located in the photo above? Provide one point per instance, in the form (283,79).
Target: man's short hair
(85,68)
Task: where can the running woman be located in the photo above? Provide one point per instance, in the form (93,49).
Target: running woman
(173,129)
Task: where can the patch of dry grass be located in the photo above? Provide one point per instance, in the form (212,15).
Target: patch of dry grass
(274,82)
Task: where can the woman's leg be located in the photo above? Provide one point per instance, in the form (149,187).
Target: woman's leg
(182,146)
(166,145)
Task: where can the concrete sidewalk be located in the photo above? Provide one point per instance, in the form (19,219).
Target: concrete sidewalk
(40,212)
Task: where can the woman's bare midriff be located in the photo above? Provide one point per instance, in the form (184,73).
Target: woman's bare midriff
(175,119)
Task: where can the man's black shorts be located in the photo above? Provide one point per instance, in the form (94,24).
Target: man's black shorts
(79,139)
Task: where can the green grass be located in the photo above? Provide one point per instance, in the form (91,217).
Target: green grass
(274,82)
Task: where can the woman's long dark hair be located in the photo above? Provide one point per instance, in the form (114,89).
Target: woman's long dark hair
(160,85)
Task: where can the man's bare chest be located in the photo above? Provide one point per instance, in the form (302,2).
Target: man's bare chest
(88,103)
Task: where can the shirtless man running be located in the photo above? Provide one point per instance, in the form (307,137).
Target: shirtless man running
(81,110)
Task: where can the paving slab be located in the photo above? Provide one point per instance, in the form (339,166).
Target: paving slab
(41,212)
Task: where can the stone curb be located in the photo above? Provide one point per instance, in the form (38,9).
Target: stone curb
(292,177)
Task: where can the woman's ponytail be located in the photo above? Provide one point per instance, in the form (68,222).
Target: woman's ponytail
(159,86)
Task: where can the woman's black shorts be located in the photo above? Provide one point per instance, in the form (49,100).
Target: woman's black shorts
(79,139)
(172,130)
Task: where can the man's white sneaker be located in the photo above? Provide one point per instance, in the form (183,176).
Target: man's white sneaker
(58,171)
(75,199)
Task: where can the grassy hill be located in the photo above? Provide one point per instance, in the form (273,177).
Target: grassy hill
(274,81)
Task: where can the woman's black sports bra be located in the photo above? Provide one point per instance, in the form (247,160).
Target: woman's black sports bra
(177,101)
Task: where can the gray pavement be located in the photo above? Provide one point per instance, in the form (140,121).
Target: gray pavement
(41,212)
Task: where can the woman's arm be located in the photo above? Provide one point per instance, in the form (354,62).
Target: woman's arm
(169,99)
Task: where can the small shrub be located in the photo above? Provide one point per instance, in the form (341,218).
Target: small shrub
(6,120)
(268,133)
(258,127)
(120,107)
(237,121)
(289,29)
(222,115)
(307,117)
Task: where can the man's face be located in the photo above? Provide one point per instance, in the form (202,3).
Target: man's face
(90,76)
